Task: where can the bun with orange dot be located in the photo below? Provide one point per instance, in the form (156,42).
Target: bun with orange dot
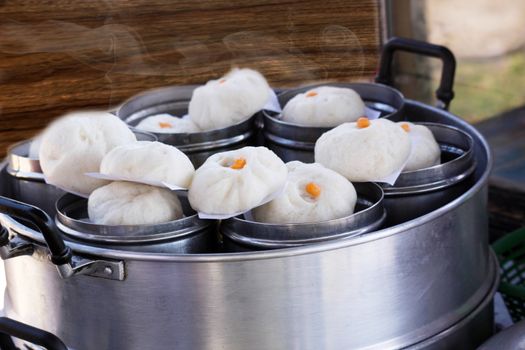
(313,193)
(425,151)
(168,124)
(236,181)
(362,154)
(324,106)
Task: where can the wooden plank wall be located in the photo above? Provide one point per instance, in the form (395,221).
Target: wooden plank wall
(62,55)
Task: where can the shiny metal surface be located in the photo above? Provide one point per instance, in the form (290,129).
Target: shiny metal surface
(242,234)
(186,235)
(21,165)
(419,192)
(174,100)
(392,288)
(472,330)
(26,181)
(296,142)
(512,338)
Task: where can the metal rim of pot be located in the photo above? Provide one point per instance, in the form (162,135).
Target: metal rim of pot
(22,166)
(71,219)
(451,141)
(175,100)
(262,235)
(382,98)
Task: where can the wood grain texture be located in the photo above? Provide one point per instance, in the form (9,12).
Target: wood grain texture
(57,56)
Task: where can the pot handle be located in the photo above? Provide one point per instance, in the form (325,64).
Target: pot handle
(444,93)
(66,263)
(60,253)
(11,328)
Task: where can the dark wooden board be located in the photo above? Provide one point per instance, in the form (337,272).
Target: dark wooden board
(57,56)
(506,136)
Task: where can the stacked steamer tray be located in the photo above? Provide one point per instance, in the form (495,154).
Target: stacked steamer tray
(425,283)
(295,142)
(174,100)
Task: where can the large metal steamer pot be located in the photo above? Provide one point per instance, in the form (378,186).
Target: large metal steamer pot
(418,192)
(295,142)
(198,146)
(26,181)
(242,233)
(393,288)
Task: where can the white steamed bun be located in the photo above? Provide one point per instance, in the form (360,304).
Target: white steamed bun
(168,124)
(127,203)
(313,193)
(150,161)
(75,145)
(368,150)
(236,181)
(229,100)
(425,150)
(324,106)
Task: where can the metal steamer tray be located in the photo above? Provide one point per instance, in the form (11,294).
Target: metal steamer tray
(418,192)
(242,234)
(174,100)
(296,142)
(426,283)
(188,235)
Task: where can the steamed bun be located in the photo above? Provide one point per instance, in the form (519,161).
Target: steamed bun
(236,181)
(168,124)
(229,100)
(150,161)
(313,193)
(126,203)
(425,151)
(75,145)
(368,150)
(324,106)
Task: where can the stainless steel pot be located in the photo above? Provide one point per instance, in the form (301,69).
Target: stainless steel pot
(197,146)
(242,234)
(392,288)
(404,286)
(188,235)
(26,182)
(418,192)
(296,142)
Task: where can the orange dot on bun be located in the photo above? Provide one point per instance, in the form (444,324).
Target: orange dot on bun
(313,189)
(238,164)
(363,122)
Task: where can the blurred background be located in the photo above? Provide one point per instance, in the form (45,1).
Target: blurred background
(488,39)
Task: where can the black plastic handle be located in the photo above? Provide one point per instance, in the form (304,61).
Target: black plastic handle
(60,253)
(444,93)
(9,327)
